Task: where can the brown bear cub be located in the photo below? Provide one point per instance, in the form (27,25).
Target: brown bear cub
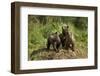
(54,40)
(66,39)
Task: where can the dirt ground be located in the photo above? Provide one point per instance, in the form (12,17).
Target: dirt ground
(43,54)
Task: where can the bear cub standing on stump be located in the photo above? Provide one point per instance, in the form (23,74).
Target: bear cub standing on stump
(55,41)
(66,40)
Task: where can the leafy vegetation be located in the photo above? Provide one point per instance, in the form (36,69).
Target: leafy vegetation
(40,27)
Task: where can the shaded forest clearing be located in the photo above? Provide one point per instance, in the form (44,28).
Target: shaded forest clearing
(44,54)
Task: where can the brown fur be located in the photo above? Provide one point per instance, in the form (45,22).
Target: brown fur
(66,39)
(54,40)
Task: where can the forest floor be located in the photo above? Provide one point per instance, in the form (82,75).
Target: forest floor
(44,54)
